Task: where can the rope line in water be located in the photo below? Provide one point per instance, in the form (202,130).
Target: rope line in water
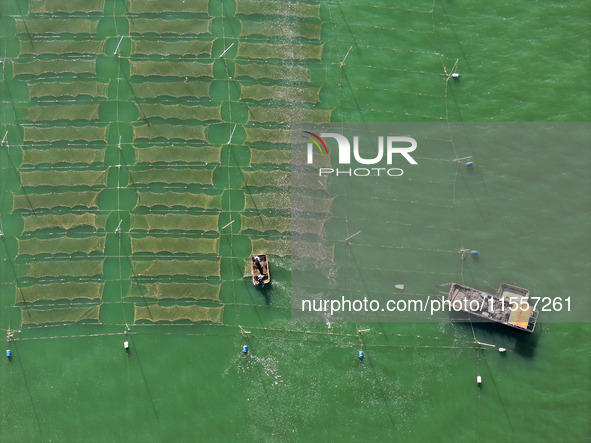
(463,344)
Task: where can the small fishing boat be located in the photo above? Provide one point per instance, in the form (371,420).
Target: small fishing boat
(260,270)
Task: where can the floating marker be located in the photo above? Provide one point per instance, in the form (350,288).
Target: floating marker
(479,380)
(501,350)
(232,134)
(118,231)
(470,164)
(226,50)
(474,252)
(453,74)
(351,236)
(228,224)
(346,55)
(8,353)
(245,349)
(243,330)
(118,44)
(126,345)
(360,355)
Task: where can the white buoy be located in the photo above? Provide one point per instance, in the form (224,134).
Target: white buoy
(126,345)
(479,380)
(502,350)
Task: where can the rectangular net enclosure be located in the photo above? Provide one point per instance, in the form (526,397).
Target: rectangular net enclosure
(180,48)
(181,69)
(150,269)
(164,6)
(57,112)
(70,48)
(170,133)
(286,51)
(164,28)
(266,201)
(84,314)
(281,93)
(60,89)
(62,245)
(310,31)
(277,179)
(67,156)
(56,26)
(171,176)
(49,69)
(69,199)
(156,313)
(296,10)
(186,200)
(170,89)
(172,222)
(82,135)
(91,222)
(177,291)
(258,71)
(64,178)
(60,291)
(153,245)
(264,135)
(65,6)
(178,154)
(63,268)
(281,115)
(182,112)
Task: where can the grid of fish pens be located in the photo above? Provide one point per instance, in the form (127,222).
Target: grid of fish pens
(152,147)
(152,144)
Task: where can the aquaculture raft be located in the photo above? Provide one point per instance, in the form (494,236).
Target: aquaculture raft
(509,306)
(260,267)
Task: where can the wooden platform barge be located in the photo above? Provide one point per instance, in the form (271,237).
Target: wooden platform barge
(509,306)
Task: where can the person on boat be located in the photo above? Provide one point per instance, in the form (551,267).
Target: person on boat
(257,261)
(261,280)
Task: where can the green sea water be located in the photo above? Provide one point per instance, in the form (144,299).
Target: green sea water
(525,207)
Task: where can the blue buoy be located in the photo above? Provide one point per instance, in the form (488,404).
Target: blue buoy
(8,353)
(469,164)
(360,355)
(245,349)
(474,252)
